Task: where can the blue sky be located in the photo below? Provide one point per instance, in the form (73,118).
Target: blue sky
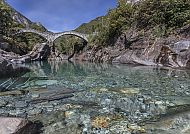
(62,15)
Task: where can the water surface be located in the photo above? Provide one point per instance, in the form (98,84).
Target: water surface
(112,98)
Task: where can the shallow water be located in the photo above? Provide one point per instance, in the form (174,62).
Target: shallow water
(156,82)
(116,98)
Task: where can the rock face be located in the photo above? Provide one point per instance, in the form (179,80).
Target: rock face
(133,49)
(39,52)
(9,61)
(21,19)
(8,69)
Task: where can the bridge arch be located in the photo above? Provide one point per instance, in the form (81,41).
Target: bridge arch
(79,35)
(42,35)
(50,36)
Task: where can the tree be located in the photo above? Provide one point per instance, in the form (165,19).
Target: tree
(5,20)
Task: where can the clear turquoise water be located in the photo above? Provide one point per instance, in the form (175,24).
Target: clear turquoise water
(135,92)
(83,76)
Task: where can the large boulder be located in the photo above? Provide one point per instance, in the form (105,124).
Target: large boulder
(181,53)
(18,126)
(12,125)
(40,52)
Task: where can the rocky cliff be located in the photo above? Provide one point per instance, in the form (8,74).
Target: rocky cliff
(132,48)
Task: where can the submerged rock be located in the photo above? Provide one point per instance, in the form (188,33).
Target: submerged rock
(3,103)
(13,93)
(174,123)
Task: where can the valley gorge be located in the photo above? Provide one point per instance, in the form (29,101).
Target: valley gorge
(123,73)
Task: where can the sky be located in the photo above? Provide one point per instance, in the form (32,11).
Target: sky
(62,15)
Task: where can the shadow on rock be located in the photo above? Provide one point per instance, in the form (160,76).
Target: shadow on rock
(31,128)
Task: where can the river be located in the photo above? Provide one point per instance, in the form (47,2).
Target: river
(104,98)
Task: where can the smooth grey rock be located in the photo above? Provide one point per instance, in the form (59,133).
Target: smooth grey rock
(180,46)
(11,125)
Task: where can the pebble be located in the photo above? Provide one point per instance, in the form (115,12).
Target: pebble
(35,95)
(3,103)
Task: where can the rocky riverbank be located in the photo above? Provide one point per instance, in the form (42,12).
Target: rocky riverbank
(11,63)
(133,48)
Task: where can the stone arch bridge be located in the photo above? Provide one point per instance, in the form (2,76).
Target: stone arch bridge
(51,37)
(42,52)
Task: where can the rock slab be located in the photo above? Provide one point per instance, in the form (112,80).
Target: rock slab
(12,125)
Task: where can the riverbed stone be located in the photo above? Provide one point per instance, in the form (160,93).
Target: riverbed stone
(120,127)
(175,123)
(21,104)
(130,91)
(34,111)
(48,108)
(3,103)
(35,96)
(17,112)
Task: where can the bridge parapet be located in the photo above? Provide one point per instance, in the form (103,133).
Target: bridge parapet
(51,37)
(80,35)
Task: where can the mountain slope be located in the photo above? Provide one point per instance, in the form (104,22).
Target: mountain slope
(92,26)
(10,20)
(19,18)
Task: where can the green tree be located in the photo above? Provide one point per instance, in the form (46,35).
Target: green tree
(5,20)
